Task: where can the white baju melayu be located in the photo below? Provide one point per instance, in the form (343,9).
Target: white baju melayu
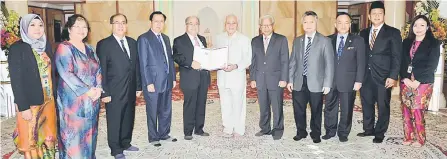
(232,85)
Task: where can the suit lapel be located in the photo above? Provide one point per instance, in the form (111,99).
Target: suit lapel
(348,44)
(302,43)
(271,43)
(334,43)
(314,43)
(419,54)
(380,35)
(118,46)
(155,41)
(131,50)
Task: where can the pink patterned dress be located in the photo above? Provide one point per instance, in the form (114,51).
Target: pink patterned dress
(414,102)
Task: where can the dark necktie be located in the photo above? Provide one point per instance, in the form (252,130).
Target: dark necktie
(124,48)
(340,47)
(306,55)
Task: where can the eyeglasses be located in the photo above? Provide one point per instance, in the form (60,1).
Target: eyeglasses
(120,23)
(267,26)
(191,24)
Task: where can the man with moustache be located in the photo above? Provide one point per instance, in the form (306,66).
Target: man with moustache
(158,78)
(269,74)
(383,59)
(350,67)
(120,80)
(231,80)
(311,74)
(194,82)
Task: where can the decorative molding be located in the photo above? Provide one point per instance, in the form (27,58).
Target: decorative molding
(52,6)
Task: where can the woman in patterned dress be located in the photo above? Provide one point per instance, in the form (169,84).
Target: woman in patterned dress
(79,89)
(419,61)
(32,82)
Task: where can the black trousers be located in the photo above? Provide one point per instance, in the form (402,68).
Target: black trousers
(300,100)
(120,116)
(194,106)
(334,100)
(271,101)
(371,93)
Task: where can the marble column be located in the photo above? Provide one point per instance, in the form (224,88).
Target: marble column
(21,7)
(395,17)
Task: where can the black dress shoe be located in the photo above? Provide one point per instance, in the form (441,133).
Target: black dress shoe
(377,140)
(342,139)
(316,140)
(326,137)
(363,134)
(298,138)
(203,134)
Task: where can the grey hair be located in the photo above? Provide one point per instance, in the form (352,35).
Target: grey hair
(231,15)
(267,17)
(309,13)
(193,16)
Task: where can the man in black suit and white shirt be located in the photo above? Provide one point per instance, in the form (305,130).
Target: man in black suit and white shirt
(350,67)
(384,48)
(194,82)
(120,80)
(269,73)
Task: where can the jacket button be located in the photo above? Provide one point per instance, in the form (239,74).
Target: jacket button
(265,63)
(370,55)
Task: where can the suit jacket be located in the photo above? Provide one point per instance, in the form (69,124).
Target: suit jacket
(120,73)
(183,55)
(320,63)
(267,69)
(350,67)
(425,60)
(153,62)
(25,78)
(384,59)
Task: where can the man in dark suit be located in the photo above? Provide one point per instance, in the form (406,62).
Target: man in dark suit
(158,78)
(120,80)
(383,51)
(194,82)
(311,75)
(350,67)
(269,74)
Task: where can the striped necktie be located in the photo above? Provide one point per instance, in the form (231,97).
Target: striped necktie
(306,55)
(373,39)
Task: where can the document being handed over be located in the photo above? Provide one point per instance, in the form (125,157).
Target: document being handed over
(211,59)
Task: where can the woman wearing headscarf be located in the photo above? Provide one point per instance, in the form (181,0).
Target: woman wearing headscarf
(79,89)
(32,80)
(420,58)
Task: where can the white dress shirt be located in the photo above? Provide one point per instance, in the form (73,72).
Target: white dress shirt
(126,45)
(194,42)
(372,31)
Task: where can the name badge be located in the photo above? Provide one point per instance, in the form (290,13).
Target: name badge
(410,69)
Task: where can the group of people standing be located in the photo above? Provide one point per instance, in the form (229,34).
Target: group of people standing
(58,95)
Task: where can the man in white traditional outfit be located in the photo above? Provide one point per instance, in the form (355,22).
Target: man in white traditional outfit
(231,79)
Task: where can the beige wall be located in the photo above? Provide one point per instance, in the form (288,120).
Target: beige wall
(98,14)
(288,16)
(137,13)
